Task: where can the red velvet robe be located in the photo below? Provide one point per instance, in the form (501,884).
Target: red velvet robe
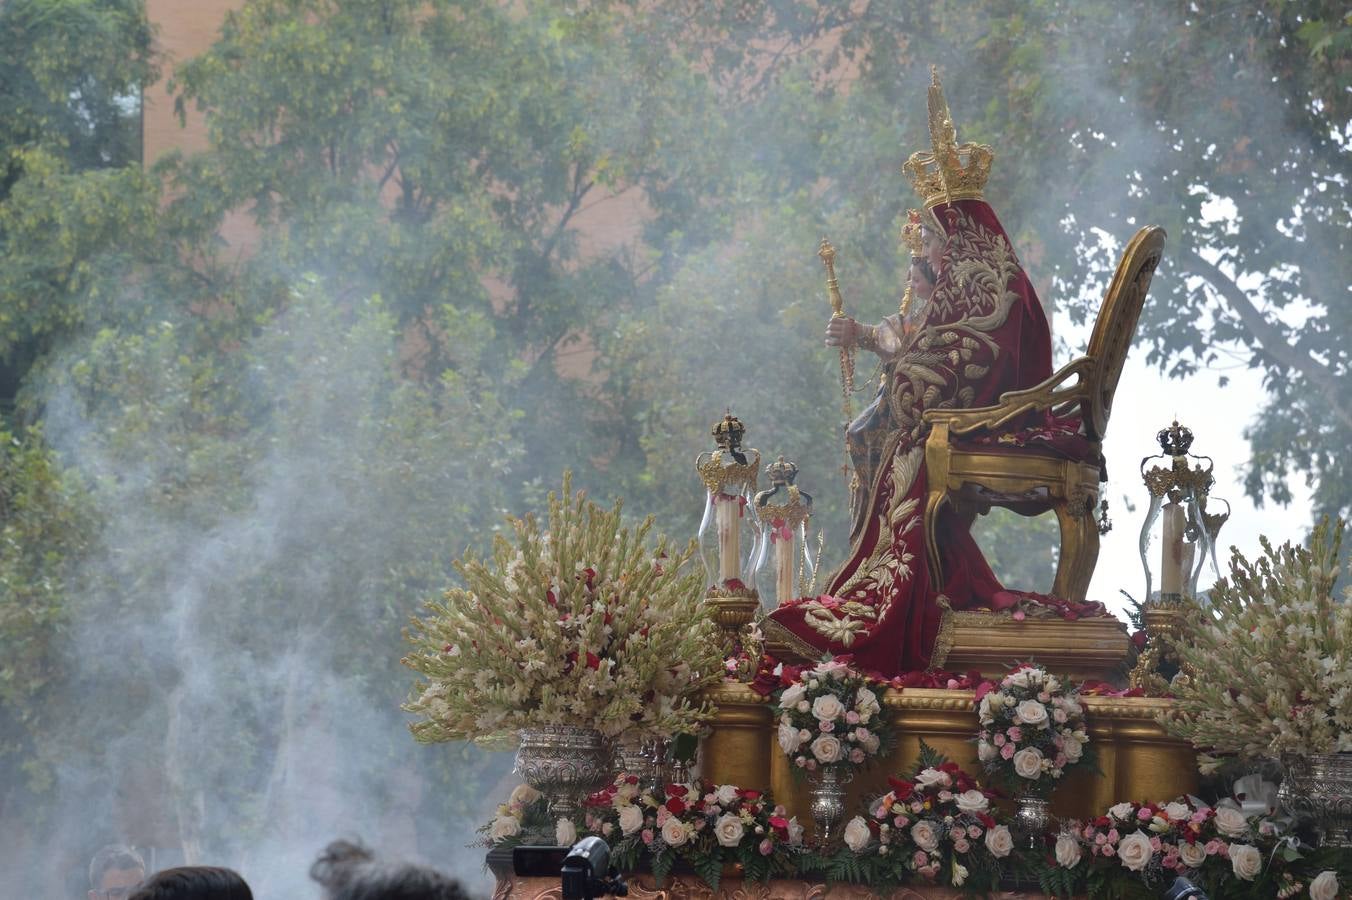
(984,334)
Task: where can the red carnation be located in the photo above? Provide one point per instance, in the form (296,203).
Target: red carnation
(675,805)
(903,789)
(593,661)
(677,790)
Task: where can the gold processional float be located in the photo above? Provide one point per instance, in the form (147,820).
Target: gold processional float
(974,461)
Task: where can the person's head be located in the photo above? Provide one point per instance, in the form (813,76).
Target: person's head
(194,883)
(925,265)
(114,872)
(349,871)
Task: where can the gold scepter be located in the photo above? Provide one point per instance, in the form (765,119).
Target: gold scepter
(828,257)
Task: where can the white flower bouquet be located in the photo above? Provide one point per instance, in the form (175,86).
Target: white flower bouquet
(1032,730)
(829,717)
(704,826)
(938,826)
(584,624)
(1270,656)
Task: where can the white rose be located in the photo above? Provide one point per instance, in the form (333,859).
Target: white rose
(1135,851)
(565,833)
(504,827)
(826,748)
(1176,811)
(1028,763)
(1073,749)
(856,834)
(1031,712)
(999,841)
(631,819)
(931,777)
(1246,861)
(729,829)
(1231,822)
(1121,812)
(789,738)
(525,795)
(1192,855)
(726,793)
(985,751)
(959,873)
(674,833)
(972,801)
(1325,887)
(792,694)
(828,708)
(866,703)
(795,832)
(1067,851)
(925,837)
(991,705)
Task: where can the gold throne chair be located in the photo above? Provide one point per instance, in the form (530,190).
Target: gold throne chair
(991,456)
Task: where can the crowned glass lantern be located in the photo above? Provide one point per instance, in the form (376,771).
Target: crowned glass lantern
(783,511)
(1179,494)
(729,531)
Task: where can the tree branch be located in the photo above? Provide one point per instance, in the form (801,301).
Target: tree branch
(1271,338)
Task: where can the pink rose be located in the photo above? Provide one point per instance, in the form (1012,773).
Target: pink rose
(852,717)
(1015,733)
(647,835)
(1007,751)
(766,847)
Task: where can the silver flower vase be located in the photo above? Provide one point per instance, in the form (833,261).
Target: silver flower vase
(828,801)
(565,763)
(1319,787)
(1032,815)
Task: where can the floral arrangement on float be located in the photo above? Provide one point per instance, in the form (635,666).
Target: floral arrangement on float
(1268,660)
(830,726)
(1138,849)
(702,826)
(1032,733)
(937,826)
(567,637)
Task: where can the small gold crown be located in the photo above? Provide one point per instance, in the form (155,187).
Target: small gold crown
(781,471)
(949,171)
(911,234)
(728,432)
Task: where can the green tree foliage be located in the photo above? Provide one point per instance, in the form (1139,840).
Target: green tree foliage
(72,71)
(46,531)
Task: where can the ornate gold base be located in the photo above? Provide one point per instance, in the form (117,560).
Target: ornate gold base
(1139,760)
(1084,649)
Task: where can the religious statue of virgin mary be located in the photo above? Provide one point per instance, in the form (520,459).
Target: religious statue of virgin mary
(981,333)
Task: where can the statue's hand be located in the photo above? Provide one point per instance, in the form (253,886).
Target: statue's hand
(841,331)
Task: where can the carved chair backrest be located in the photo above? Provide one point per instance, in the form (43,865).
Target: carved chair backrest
(1116,326)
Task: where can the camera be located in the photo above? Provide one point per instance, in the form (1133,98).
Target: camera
(584,868)
(1183,889)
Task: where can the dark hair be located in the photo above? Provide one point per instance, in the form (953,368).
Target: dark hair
(112,857)
(194,883)
(349,871)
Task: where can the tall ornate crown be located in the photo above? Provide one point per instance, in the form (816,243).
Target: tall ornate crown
(949,171)
(782,471)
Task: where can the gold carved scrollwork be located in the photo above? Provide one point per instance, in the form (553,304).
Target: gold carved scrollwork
(719,472)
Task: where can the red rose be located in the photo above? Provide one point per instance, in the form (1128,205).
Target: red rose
(593,661)
(903,789)
(675,805)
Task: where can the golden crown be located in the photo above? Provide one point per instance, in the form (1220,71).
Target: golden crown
(949,170)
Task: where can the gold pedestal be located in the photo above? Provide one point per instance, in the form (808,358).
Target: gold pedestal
(1138,759)
(1084,649)
(741,743)
(732,609)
